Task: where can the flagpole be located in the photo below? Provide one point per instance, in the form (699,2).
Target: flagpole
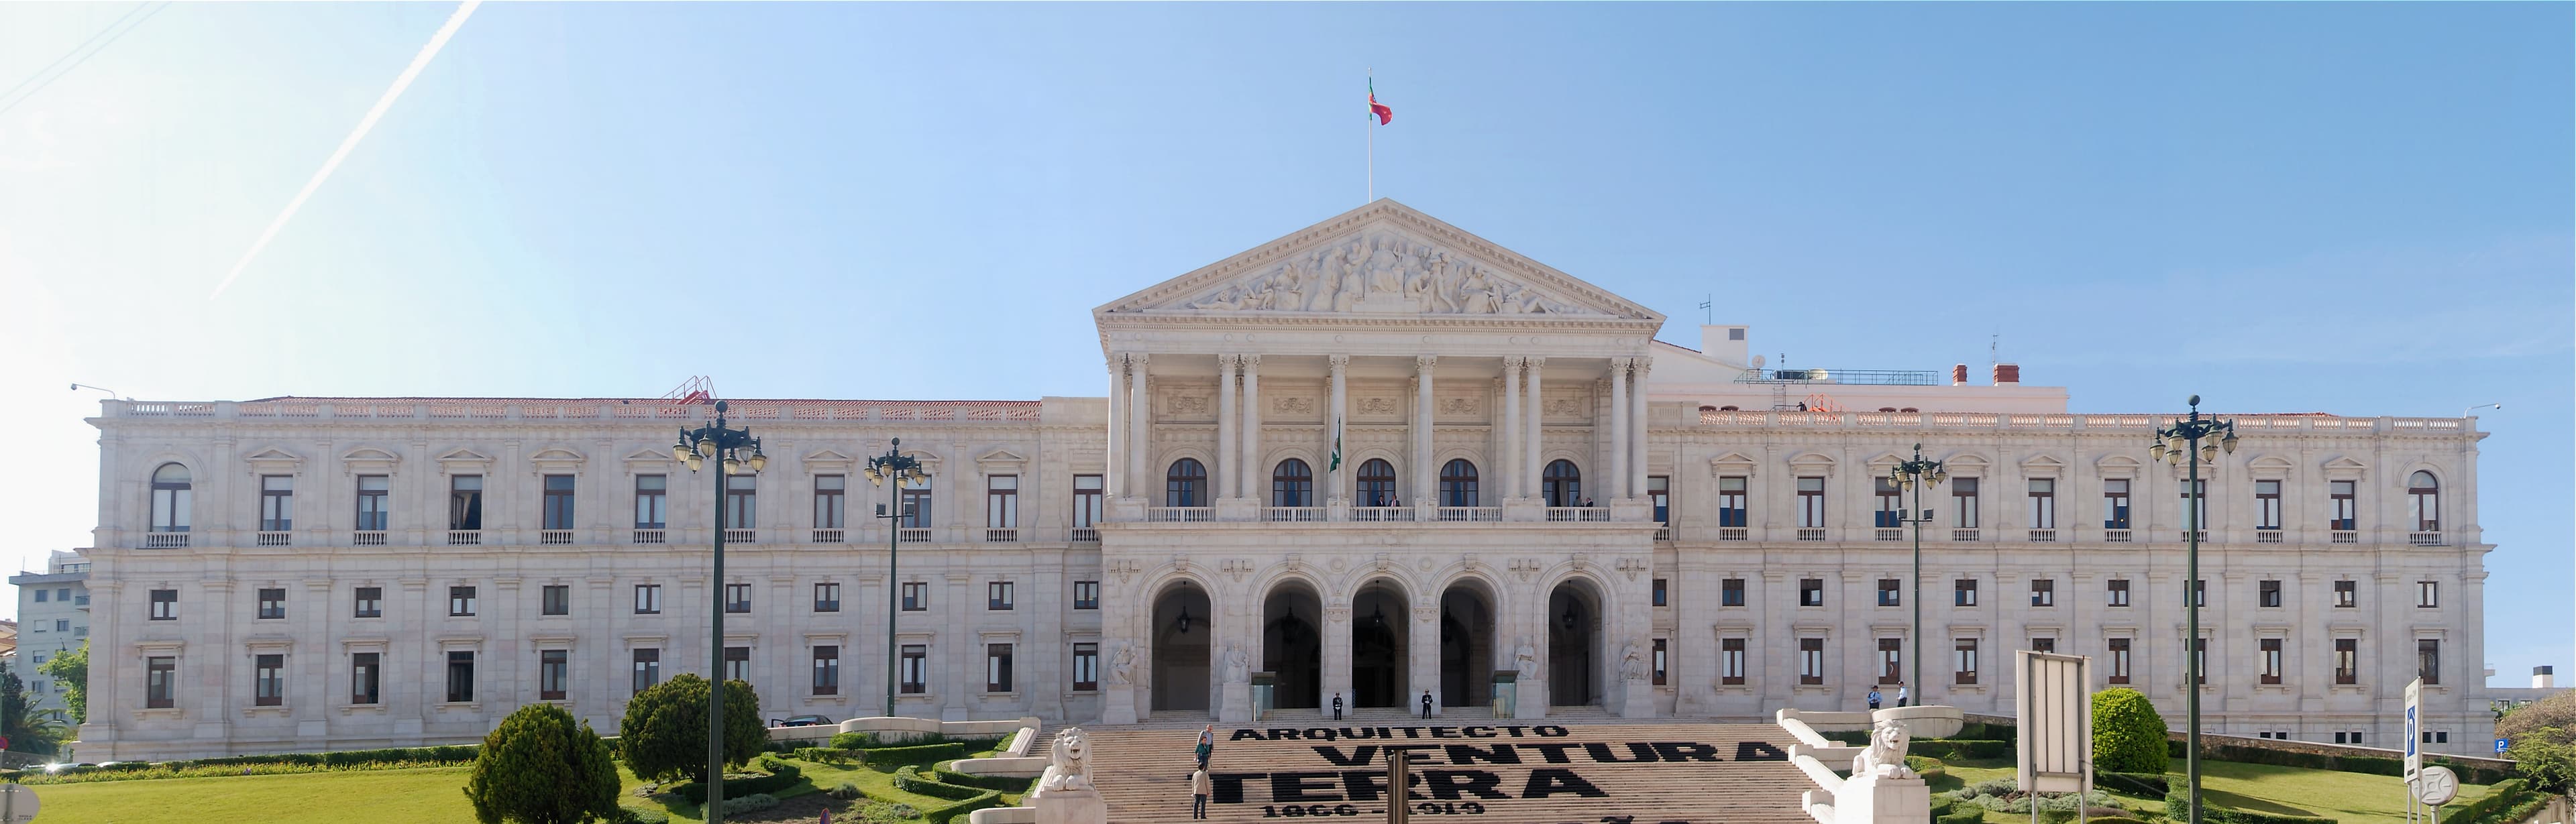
(1369,124)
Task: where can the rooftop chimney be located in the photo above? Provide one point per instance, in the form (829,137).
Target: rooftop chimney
(2543,677)
(1725,343)
(1959,375)
(2007,374)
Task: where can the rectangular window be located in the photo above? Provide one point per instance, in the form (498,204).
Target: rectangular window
(1002,502)
(276,503)
(2119,660)
(648,599)
(1730,501)
(1891,592)
(460,601)
(2428,660)
(1891,504)
(997,668)
(1811,660)
(370,603)
(1891,660)
(1963,592)
(648,668)
(1659,593)
(1811,592)
(737,664)
(742,502)
(916,505)
(2271,649)
(652,502)
(916,596)
(1659,491)
(2115,503)
(43,594)
(827,670)
(998,596)
(2267,504)
(2043,592)
(2200,659)
(2347,509)
(268,680)
(165,605)
(2347,660)
(160,682)
(2428,594)
(1730,592)
(1660,662)
(2200,592)
(2195,500)
(2347,594)
(2043,503)
(272,604)
(1086,667)
(916,658)
(555,600)
(2043,645)
(365,677)
(831,501)
(465,502)
(827,597)
(1087,501)
(460,677)
(557,510)
(375,509)
(1730,654)
(1963,497)
(1965,650)
(2267,594)
(554,667)
(737,597)
(1811,503)
(1086,595)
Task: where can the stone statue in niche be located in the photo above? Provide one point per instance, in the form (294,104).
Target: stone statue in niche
(1632,663)
(1237,670)
(1525,659)
(1122,667)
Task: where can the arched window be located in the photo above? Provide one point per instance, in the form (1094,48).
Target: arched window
(1562,484)
(1458,483)
(170,495)
(1292,484)
(2424,500)
(1185,484)
(1377,483)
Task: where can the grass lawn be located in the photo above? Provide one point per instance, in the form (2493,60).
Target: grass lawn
(431,795)
(2351,798)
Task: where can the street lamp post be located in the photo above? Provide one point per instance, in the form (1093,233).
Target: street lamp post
(735,451)
(1918,476)
(893,470)
(2194,441)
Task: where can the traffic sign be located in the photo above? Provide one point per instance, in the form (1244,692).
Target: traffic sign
(2500,746)
(17,804)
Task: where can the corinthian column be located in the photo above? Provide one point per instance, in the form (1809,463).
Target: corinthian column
(1425,477)
(1140,415)
(1637,426)
(1117,452)
(1251,468)
(1618,412)
(1532,463)
(1507,451)
(1222,470)
(1333,439)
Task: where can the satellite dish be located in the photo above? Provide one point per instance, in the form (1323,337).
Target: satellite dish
(1757,361)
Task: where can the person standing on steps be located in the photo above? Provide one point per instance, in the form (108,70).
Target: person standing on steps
(1426,705)
(1207,745)
(1337,706)
(1199,792)
(1873,698)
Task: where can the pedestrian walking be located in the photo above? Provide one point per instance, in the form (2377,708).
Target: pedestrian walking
(1199,792)
(1873,698)
(1207,745)
(1426,705)
(1900,695)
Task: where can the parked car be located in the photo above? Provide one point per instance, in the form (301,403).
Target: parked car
(802,721)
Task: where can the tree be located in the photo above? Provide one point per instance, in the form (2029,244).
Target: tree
(541,767)
(71,669)
(2128,735)
(2554,711)
(2545,756)
(664,733)
(27,731)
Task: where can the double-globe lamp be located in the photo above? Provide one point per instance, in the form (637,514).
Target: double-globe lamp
(735,452)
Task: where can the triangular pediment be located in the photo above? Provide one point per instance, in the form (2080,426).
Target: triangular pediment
(556,455)
(272,455)
(1383,260)
(464,455)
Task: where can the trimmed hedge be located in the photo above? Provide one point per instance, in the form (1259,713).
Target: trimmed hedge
(2127,733)
(1972,815)
(782,775)
(2178,808)
(916,754)
(2116,819)
(2529,805)
(2496,796)
(909,779)
(343,758)
(853,740)
(1956,748)
(2134,783)
(2364,764)
(1926,766)
(946,775)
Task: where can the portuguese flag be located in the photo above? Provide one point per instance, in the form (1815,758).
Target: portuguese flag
(1377,109)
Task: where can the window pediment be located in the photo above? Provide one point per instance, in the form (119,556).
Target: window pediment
(1733,463)
(463,460)
(1965,465)
(2042,466)
(2269,468)
(828,461)
(369,460)
(1001,462)
(1813,463)
(2117,467)
(2342,468)
(556,460)
(273,460)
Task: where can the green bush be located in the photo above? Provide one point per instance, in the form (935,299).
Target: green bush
(2128,734)
(909,779)
(2530,804)
(542,767)
(2555,712)
(2501,795)
(1959,749)
(2133,783)
(782,775)
(845,792)
(853,740)
(2544,755)
(1926,766)
(664,733)
(631,815)
(1970,815)
(947,775)
(749,803)
(2116,819)
(827,755)
(916,754)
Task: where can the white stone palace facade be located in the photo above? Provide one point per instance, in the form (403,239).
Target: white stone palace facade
(1375,457)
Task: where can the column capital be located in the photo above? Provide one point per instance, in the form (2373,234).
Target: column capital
(1514,361)
(1136,360)
(1641,365)
(1425,362)
(1338,362)
(1225,363)
(1536,361)
(1250,362)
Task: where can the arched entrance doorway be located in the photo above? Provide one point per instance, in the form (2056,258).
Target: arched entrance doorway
(1378,622)
(1466,645)
(1573,645)
(1181,633)
(1292,644)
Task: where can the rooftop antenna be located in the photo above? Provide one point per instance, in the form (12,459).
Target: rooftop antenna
(1708,307)
(1994,348)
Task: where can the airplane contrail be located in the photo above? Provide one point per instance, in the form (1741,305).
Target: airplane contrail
(418,62)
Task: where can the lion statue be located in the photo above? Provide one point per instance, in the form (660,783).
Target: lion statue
(1071,770)
(1885,757)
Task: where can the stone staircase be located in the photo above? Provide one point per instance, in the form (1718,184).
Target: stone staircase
(1578,765)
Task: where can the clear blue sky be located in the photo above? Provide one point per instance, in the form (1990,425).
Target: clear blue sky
(2354,208)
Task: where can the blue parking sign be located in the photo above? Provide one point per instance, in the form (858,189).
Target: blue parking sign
(2500,746)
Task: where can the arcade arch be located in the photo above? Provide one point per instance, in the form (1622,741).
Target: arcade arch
(1183,628)
(1467,611)
(1574,644)
(1380,620)
(1292,644)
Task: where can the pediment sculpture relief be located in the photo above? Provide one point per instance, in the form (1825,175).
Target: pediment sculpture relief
(1383,273)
